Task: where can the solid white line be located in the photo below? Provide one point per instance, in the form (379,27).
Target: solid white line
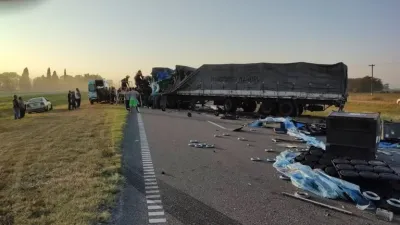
(152,191)
(161,213)
(160,220)
(217,125)
(153,196)
(151,187)
(152,207)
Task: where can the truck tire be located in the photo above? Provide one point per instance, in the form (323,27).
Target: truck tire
(287,109)
(157,101)
(300,110)
(171,103)
(91,102)
(192,104)
(249,106)
(268,108)
(230,105)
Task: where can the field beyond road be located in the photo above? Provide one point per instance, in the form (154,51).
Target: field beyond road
(385,103)
(59,167)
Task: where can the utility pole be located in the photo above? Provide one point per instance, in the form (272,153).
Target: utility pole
(372,78)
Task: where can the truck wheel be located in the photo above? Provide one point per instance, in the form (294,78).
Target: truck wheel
(230,105)
(157,101)
(249,106)
(171,102)
(287,109)
(91,102)
(300,110)
(268,108)
(192,104)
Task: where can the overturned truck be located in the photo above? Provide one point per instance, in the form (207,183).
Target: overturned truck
(279,89)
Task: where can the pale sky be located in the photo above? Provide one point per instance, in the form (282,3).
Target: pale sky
(116,38)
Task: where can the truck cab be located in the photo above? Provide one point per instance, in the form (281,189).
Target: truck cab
(98,91)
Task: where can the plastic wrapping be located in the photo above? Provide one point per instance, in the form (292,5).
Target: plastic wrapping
(317,182)
(291,130)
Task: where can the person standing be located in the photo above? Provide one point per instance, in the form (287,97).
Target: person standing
(127,97)
(133,100)
(16,108)
(22,107)
(78,98)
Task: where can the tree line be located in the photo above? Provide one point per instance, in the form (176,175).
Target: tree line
(11,81)
(363,84)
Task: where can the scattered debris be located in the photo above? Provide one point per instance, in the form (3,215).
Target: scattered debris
(256,159)
(270,160)
(301,194)
(189,114)
(253,130)
(242,139)
(209,146)
(284,177)
(192,144)
(318,203)
(226,134)
(217,135)
(162,172)
(269,150)
(238,129)
(249,145)
(194,141)
(384,214)
(291,146)
(249,184)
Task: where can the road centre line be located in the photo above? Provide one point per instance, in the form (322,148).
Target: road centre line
(215,124)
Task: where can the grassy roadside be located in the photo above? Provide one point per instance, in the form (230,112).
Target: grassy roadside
(60,167)
(385,103)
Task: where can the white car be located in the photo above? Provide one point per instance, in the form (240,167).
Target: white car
(39,104)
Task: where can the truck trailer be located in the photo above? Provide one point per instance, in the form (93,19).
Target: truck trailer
(286,89)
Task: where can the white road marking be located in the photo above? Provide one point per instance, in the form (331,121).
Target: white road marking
(151,187)
(150,183)
(152,207)
(160,213)
(217,125)
(153,196)
(153,201)
(160,220)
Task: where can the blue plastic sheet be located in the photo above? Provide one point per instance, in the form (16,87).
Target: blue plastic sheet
(316,181)
(388,145)
(291,130)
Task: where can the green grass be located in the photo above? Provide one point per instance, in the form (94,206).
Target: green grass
(60,167)
(385,103)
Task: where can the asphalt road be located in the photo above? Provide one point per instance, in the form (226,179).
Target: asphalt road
(220,186)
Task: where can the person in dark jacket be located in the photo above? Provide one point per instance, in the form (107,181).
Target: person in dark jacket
(78,98)
(71,100)
(22,107)
(16,108)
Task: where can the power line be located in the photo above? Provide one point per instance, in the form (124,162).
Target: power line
(372,79)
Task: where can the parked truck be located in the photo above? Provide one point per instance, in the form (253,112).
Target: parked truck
(286,89)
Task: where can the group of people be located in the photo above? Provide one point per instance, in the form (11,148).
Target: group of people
(74,99)
(132,99)
(19,107)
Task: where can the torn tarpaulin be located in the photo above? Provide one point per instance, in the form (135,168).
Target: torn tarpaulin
(291,130)
(316,181)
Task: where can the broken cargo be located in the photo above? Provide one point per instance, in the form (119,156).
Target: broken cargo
(286,89)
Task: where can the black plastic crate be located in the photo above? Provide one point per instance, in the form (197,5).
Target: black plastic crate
(391,131)
(351,152)
(360,132)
